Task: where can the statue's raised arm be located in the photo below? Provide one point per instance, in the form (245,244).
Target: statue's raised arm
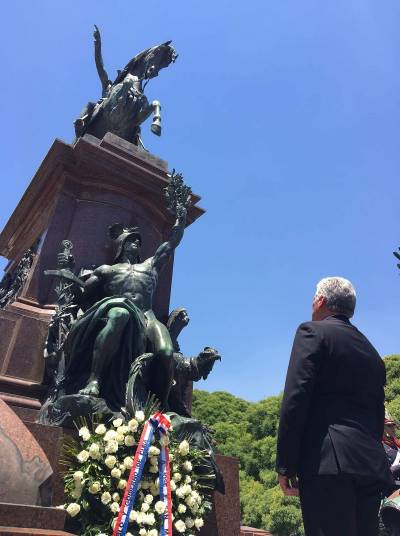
(98,58)
(179,197)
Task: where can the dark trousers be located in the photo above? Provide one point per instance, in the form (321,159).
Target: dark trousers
(340,505)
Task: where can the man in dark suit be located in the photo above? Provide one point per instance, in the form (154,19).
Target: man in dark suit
(329,442)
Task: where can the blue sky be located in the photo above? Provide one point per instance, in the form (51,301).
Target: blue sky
(283,115)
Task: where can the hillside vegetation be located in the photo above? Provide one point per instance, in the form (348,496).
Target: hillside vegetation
(248,431)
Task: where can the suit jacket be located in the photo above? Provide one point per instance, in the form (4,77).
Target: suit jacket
(332,411)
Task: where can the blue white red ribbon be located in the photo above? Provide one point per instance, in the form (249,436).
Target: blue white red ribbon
(158,424)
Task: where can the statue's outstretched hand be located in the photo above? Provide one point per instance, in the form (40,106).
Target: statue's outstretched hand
(181,212)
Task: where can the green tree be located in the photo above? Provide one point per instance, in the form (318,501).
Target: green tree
(248,431)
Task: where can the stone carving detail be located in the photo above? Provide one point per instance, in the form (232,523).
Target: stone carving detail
(14,280)
(123,106)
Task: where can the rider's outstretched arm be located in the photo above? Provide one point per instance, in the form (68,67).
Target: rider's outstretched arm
(105,82)
(164,251)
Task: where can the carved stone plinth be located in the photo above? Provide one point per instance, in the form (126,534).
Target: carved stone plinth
(78,191)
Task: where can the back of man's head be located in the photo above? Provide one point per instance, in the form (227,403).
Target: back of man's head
(338,294)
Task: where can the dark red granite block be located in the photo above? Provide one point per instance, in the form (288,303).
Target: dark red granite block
(51,438)
(21,531)
(18,515)
(224,520)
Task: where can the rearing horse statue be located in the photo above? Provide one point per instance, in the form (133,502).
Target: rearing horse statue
(123,106)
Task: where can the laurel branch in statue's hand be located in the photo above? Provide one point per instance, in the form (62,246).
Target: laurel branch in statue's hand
(178,195)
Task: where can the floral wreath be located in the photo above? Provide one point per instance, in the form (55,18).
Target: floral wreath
(98,465)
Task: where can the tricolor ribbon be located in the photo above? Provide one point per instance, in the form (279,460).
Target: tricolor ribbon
(158,424)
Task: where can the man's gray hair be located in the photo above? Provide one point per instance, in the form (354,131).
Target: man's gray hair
(339,294)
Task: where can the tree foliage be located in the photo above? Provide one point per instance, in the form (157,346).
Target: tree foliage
(248,431)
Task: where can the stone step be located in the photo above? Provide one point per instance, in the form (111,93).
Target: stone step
(35,517)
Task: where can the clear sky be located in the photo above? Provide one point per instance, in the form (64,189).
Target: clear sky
(283,115)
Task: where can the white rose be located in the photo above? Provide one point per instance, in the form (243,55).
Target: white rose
(187,479)
(188,466)
(150,519)
(73,509)
(129,440)
(152,532)
(160,507)
(140,518)
(84,433)
(111,447)
(78,476)
(190,501)
(114,507)
(181,509)
(83,457)
(139,416)
(180,526)
(117,422)
(94,451)
(110,461)
(154,451)
(145,507)
(110,435)
(105,497)
(184,448)
(122,484)
(173,485)
(133,516)
(122,429)
(188,489)
(180,492)
(148,499)
(115,497)
(128,462)
(133,425)
(94,487)
(176,477)
(143,532)
(116,473)
(189,522)
(164,440)
(198,522)
(100,429)
(153,469)
(120,438)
